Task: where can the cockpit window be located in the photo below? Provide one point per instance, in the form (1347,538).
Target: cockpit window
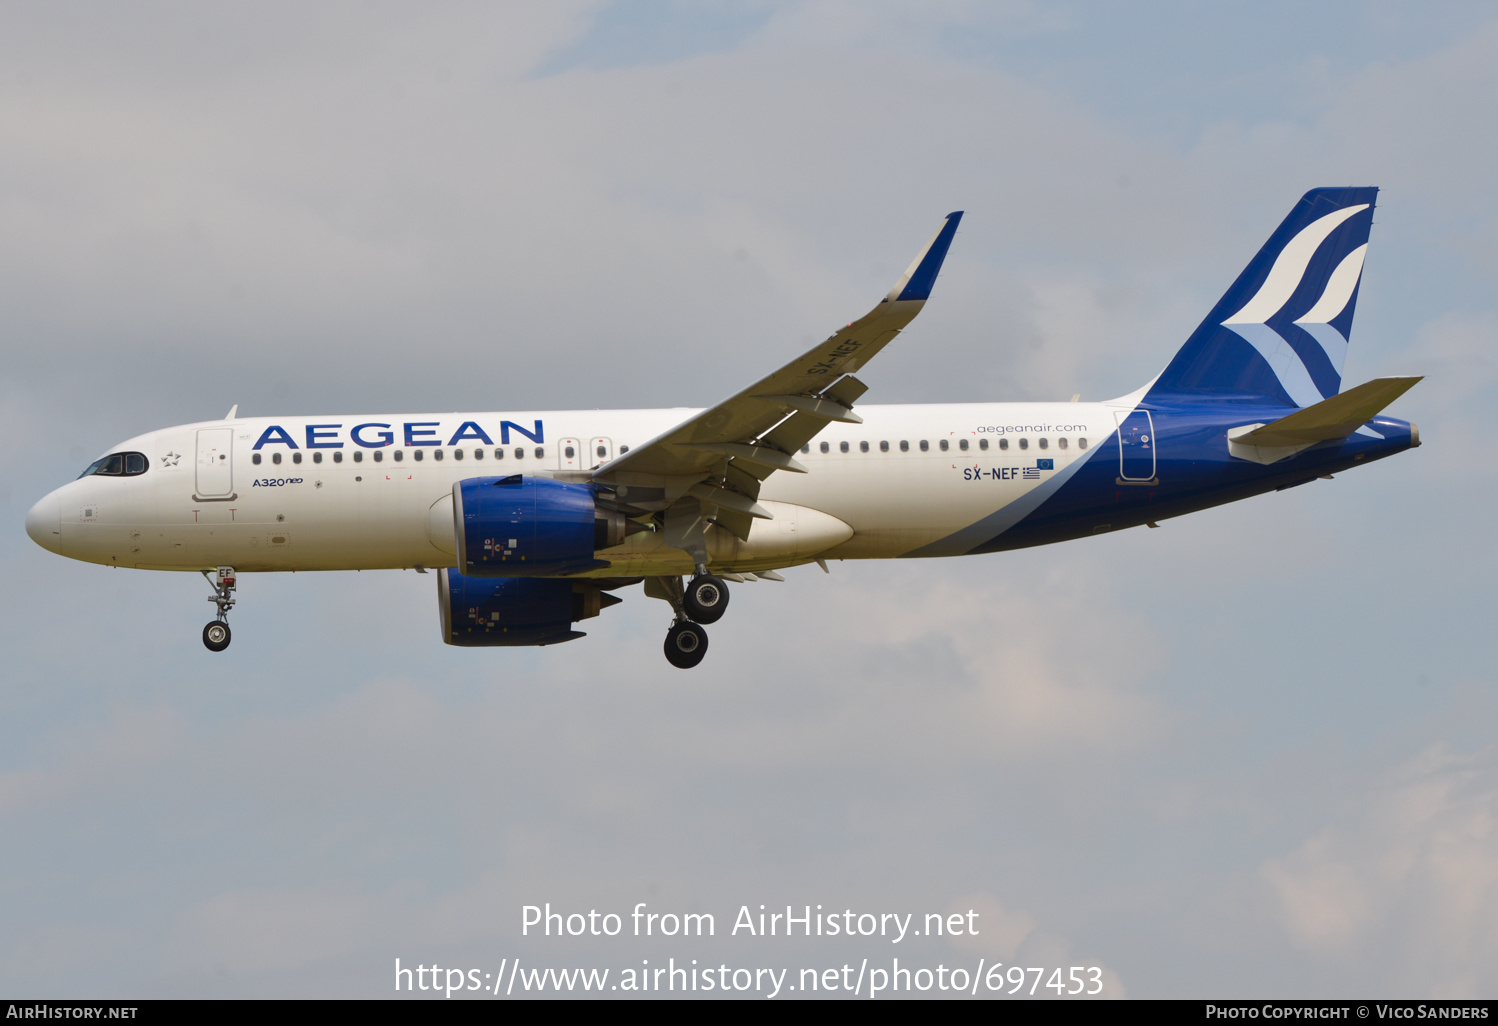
(118,464)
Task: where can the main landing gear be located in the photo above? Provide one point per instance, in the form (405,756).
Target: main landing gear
(686,644)
(706,597)
(703,600)
(216,635)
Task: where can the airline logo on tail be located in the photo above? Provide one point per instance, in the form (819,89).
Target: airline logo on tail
(1293,306)
(1285,277)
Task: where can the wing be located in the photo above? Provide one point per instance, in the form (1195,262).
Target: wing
(720,456)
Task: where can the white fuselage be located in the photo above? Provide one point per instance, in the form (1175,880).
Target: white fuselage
(361,493)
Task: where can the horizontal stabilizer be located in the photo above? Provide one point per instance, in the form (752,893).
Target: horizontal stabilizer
(1332,418)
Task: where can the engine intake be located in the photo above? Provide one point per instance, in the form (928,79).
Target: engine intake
(521,526)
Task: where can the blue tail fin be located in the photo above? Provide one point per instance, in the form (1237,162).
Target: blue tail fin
(1280,332)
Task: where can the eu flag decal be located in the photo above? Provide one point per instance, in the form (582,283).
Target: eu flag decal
(1045,464)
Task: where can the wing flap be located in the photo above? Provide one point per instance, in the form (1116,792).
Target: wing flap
(714,462)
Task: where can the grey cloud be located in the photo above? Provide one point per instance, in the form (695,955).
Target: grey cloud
(1102,745)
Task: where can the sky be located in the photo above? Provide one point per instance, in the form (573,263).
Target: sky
(1250,754)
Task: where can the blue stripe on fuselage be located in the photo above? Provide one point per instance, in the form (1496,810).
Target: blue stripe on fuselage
(1193,471)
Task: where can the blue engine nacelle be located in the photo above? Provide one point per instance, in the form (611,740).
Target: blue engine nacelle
(507,611)
(522,526)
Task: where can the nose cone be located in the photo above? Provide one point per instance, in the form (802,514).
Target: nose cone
(44,523)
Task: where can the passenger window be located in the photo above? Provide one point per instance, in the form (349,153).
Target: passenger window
(1045,443)
(568,452)
(1081,443)
(400,454)
(842,447)
(602,451)
(904,445)
(135,463)
(1024,443)
(825,447)
(1003,443)
(316,457)
(457,454)
(275,458)
(623,449)
(416,454)
(983,444)
(943,445)
(925,445)
(540,453)
(255,459)
(499,454)
(358,456)
(1061,443)
(962,444)
(338,457)
(478,454)
(436,455)
(863,446)
(296,457)
(519,453)
(379,455)
(884,447)
(806,447)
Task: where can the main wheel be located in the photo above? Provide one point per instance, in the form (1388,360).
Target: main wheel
(706,598)
(686,644)
(216,636)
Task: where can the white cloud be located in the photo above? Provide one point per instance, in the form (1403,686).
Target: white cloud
(391,212)
(1404,883)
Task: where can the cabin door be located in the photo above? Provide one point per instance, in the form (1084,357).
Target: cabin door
(215,463)
(1136,446)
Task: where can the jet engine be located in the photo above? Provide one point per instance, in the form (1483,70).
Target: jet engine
(508,611)
(522,526)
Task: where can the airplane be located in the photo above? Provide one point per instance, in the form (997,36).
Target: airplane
(532,520)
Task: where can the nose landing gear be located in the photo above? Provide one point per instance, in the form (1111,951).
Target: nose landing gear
(216,635)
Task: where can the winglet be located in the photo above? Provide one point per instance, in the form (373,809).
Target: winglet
(921,274)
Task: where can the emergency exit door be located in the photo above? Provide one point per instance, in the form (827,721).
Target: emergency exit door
(570,455)
(600,451)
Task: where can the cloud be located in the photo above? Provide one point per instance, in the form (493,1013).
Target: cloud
(1404,882)
(358,207)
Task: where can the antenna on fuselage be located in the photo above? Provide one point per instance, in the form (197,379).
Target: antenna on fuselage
(233,411)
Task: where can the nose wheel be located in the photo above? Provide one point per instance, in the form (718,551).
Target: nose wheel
(216,634)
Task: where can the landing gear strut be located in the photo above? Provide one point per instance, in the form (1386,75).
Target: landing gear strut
(703,599)
(216,634)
